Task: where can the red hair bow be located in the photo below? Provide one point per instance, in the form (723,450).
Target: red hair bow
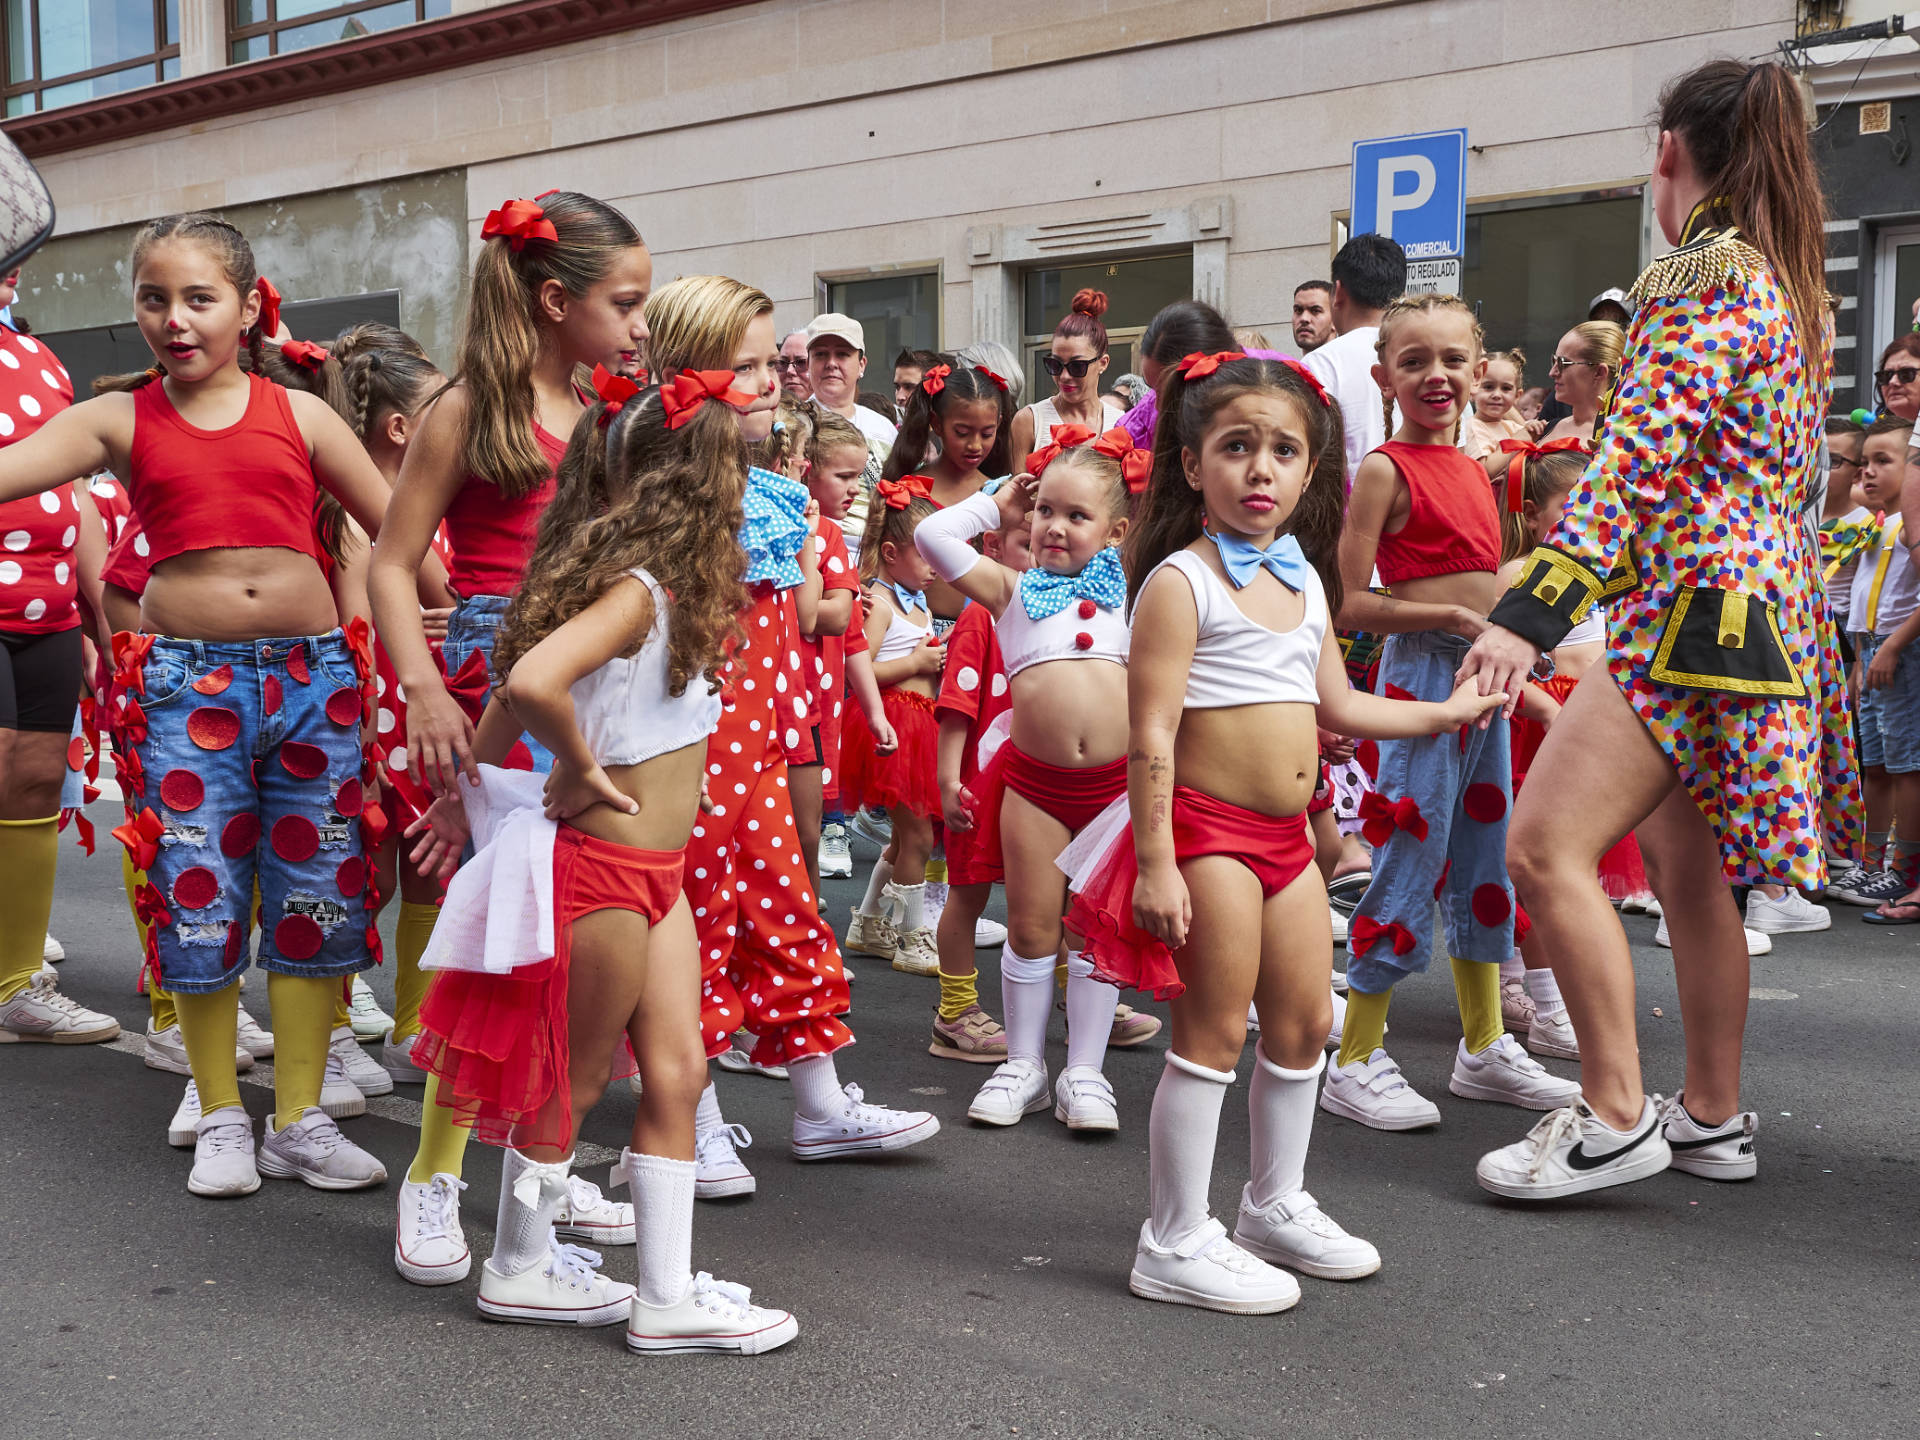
(1135,464)
(999,381)
(1062,437)
(1312,380)
(1366,933)
(898,494)
(305,354)
(1197,366)
(269,322)
(518,221)
(683,395)
(614,392)
(1523,450)
(1380,817)
(935,380)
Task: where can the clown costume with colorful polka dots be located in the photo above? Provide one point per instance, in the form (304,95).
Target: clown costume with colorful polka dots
(564,945)
(1062,632)
(768,960)
(242,697)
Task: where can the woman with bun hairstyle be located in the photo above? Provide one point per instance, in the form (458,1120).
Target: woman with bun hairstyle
(1076,359)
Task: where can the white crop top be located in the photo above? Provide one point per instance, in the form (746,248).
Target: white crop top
(1237,662)
(623,709)
(1025,642)
(901,637)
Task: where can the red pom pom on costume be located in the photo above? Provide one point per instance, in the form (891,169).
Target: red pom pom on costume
(1087,607)
(297,667)
(297,937)
(196,888)
(343,707)
(303,761)
(240,836)
(1083,641)
(1491,907)
(182,790)
(1484,802)
(351,877)
(213,727)
(350,799)
(295,839)
(215,682)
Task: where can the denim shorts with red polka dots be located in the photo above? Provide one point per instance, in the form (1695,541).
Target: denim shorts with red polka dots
(250,770)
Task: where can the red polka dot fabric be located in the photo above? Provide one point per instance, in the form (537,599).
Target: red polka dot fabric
(38,584)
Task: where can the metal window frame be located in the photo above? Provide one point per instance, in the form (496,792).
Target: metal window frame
(37,82)
(825,280)
(273,25)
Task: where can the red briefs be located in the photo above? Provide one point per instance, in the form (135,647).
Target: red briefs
(1073,797)
(499,1042)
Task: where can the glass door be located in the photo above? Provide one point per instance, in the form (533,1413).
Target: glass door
(1896,289)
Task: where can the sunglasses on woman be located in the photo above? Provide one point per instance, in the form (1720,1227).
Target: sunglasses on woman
(1905,374)
(1076,368)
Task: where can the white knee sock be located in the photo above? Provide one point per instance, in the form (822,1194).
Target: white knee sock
(913,908)
(530,1196)
(1180,1138)
(816,1087)
(1026,996)
(663,1225)
(1090,1007)
(1280,1106)
(877,883)
(1512,968)
(1545,991)
(706,1115)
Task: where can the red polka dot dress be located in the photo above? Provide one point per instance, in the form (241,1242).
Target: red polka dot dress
(38,587)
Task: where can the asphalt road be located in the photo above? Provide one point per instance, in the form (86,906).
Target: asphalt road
(977,1285)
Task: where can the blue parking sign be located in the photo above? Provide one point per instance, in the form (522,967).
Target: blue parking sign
(1413,189)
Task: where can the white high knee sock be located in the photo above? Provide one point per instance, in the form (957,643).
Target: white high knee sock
(1026,997)
(1512,968)
(816,1087)
(706,1115)
(1090,1007)
(1280,1106)
(1545,990)
(877,883)
(1180,1139)
(913,907)
(662,1192)
(530,1197)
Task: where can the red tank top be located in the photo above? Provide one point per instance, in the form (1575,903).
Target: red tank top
(493,535)
(248,485)
(1453,524)
(37,532)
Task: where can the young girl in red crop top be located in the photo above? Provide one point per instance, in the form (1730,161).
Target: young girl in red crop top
(1425,516)
(241,700)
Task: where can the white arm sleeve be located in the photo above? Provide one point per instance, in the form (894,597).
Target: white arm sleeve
(942,537)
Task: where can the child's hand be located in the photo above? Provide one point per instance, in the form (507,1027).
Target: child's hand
(1536,428)
(443,833)
(1015,499)
(1335,749)
(706,800)
(956,805)
(812,516)
(1880,673)
(1161,905)
(885,742)
(439,741)
(1467,705)
(928,657)
(571,791)
(434,622)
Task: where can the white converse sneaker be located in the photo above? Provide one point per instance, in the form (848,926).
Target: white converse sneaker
(712,1315)
(339,1096)
(167,1050)
(1209,1271)
(429,1247)
(567,1290)
(364,1015)
(1374,1092)
(223,1154)
(396,1058)
(870,935)
(586,1214)
(1791,914)
(313,1149)
(836,859)
(252,1037)
(52,951)
(40,1012)
(916,952)
(1340,982)
(1757,943)
(1338,1030)
(1083,1100)
(368,1075)
(860,1129)
(1015,1090)
(1570,1152)
(1717,1152)
(1553,1035)
(1516,1005)
(1507,1075)
(718,1171)
(1295,1232)
(988,934)
(741,1062)
(183,1131)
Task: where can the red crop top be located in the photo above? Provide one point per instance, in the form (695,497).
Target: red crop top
(1453,524)
(249,485)
(492,535)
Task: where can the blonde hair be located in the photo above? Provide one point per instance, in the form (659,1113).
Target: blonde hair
(791,437)
(698,321)
(1603,343)
(1428,304)
(832,431)
(1517,358)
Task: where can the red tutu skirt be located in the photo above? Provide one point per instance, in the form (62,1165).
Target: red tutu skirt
(909,778)
(1101,870)
(1622,875)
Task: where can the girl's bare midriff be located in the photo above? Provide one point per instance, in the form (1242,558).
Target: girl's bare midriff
(667,789)
(1234,754)
(1071,713)
(238,594)
(1476,590)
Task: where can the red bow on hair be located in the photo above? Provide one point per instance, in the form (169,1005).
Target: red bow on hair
(898,494)
(519,221)
(999,381)
(614,392)
(1366,932)
(1524,450)
(683,395)
(1061,438)
(935,380)
(305,354)
(1197,366)
(1135,464)
(269,322)
(1380,817)
(1313,380)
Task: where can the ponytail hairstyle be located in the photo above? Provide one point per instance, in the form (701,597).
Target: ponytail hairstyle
(791,438)
(633,494)
(963,385)
(892,524)
(385,372)
(1186,327)
(698,322)
(1428,304)
(300,365)
(235,255)
(1083,319)
(1543,478)
(1172,513)
(563,236)
(1746,128)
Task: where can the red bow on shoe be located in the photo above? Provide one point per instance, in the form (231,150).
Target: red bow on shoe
(1366,933)
(1523,451)
(614,392)
(1382,817)
(682,396)
(517,222)
(269,322)
(898,494)
(935,380)
(305,354)
(1063,437)
(141,835)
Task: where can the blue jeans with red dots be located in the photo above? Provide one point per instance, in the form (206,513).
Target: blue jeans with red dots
(251,763)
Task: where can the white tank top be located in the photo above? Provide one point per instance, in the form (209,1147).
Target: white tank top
(1046,418)
(1025,642)
(623,709)
(902,635)
(1237,662)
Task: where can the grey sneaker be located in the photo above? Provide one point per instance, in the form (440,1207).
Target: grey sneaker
(223,1154)
(368,1075)
(836,858)
(313,1149)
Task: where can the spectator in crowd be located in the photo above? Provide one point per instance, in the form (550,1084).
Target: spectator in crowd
(793,367)
(1585,365)
(909,368)
(992,355)
(1250,339)
(1129,390)
(1369,272)
(1312,315)
(1611,305)
(836,359)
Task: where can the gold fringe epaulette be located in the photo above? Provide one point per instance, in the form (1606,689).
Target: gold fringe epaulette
(1718,259)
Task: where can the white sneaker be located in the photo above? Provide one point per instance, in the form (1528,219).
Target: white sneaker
(1640,904)
(429,1247)
(368,1075)
(167,1050)
(1791,914)
(1374,1092)
(1339,926)
(396,1058)
(1506,1074)
(1719,1152)
(253,1037)
(1757,943)
(1570,1152)
(836,859)
(568,1290)
(860,1129)
(718,1171)
(1295,1232)
(339,1096)
(313,1149)
(183,1130)
(712,1315)
(1340,982)
(1553,1035)
(52,951)
(740,1062)
(1339,1029)
(988,934)
(870,935)
(917,952)
(1516,1005)
(223,1154)
(1209,1271)
(586,1214)
(41,1013)
(1015,1090)
(1083,1100)
(364,1015)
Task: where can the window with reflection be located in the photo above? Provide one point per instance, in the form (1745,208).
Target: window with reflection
(63,52)
(259,28)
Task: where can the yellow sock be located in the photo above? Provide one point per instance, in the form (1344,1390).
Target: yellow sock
(410,938)
(341,1013)
(207,1025)
(29,854)
(443,1143)
(1060,976)
(937,869)
(1365,1030)
(958,994)
(159,1003)
(302,1023)
(1478,988)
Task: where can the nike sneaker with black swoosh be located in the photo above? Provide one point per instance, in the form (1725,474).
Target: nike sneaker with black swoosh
(1717,1152)
(1572,1151)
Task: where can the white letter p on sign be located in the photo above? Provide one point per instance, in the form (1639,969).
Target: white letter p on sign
(1388,201)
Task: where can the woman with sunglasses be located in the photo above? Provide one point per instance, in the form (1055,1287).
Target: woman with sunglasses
(1585,366)
(1897,381)
(1076,359)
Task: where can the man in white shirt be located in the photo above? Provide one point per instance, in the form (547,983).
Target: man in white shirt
(836,359)
(1368,273)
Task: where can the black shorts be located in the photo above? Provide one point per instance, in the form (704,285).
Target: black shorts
(40,679)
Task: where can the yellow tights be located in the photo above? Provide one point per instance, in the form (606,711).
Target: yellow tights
(1476,986)
(29,855)
(443,1143)
(410,937)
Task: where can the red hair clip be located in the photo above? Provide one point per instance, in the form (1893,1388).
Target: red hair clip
(305,354)
(1061,438)
(614,392)
(1136,465)
(1313,380)
(1522,451)
(1197,366)
(999,381)
(935,380)
(518,221)
(682,396)
(898,494)
(269,322)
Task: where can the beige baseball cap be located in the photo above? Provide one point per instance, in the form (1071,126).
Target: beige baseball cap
(844,327)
